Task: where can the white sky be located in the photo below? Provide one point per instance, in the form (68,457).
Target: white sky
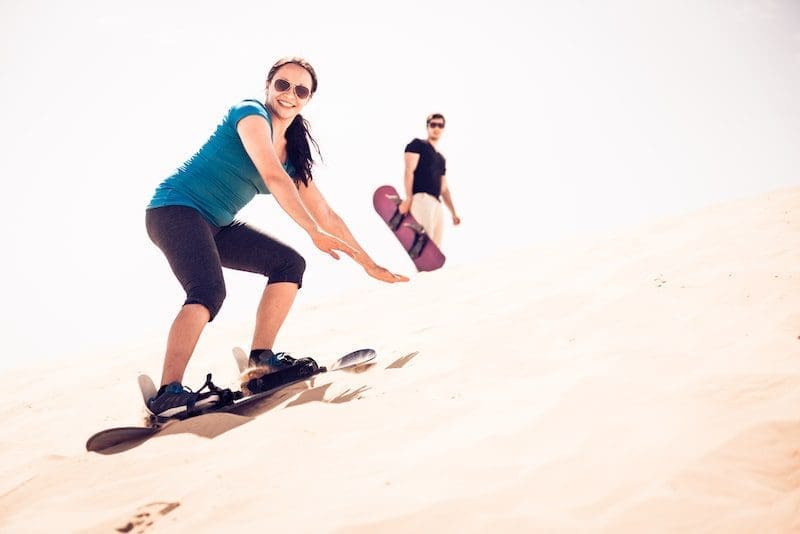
(562,118)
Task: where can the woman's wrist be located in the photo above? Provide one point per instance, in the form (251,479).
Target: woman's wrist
(365,261)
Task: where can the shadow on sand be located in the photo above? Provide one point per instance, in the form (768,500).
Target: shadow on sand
(401,362)
(211,425)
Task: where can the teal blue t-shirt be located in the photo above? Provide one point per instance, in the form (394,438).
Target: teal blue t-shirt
(220,178)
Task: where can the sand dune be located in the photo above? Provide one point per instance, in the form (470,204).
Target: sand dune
(647,381)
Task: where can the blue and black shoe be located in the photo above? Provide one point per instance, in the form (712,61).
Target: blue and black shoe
(275,361)
(175,398)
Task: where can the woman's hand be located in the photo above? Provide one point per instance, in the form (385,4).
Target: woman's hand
(330,244)
(384,275)
(405,206)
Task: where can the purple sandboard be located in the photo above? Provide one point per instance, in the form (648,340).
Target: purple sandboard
(386,199)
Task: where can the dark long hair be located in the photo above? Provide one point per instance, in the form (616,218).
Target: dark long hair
(298,135)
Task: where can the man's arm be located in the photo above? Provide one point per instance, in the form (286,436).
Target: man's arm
(411,160)
(448,201)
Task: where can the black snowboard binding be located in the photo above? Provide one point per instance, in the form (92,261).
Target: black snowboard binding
(301,368)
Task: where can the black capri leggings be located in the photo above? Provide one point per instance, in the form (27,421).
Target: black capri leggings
(197,250)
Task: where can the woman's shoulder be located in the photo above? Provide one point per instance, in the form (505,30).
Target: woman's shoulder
(247,107)
(250,105)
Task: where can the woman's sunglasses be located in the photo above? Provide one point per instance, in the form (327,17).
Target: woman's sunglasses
(301,91)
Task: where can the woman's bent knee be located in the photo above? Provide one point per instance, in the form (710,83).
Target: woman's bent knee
(211,297)
(290,270)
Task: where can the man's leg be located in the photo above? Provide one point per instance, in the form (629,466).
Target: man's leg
(438,224)
(426,210)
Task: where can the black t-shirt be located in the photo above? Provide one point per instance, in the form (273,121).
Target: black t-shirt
(430,169)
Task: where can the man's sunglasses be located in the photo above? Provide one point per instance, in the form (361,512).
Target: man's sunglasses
(435,125)
(301,91)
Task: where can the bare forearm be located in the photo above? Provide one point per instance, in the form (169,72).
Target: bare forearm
(285,192)
(448,201)
(336,226)
(408,183)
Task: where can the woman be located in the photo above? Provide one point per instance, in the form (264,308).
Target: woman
(257,148)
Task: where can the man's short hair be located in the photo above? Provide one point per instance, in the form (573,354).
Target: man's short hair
(435,116)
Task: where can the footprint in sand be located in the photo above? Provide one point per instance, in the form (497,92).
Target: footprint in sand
(146,516)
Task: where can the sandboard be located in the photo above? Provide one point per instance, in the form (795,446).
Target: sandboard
(417,244)
(106,439)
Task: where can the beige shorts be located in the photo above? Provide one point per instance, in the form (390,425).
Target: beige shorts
(428,212)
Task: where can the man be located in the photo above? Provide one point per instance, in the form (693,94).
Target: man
(425,182)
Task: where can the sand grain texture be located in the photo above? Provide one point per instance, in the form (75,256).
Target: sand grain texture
(647,381)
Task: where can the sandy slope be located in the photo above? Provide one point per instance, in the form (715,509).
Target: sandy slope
(643,382)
